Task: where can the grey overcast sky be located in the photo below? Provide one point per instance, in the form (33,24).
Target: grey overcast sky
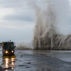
(17,19)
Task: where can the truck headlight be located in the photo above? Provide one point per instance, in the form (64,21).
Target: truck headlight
(6,52)
(12,51)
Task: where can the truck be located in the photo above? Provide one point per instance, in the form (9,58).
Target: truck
(8,48)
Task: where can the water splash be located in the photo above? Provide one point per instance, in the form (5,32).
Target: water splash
(49,13)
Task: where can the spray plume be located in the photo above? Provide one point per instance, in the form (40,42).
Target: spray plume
(49,13)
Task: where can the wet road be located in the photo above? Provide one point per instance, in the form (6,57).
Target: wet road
(39,61)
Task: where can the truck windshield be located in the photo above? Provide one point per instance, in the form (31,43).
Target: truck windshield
(9,46)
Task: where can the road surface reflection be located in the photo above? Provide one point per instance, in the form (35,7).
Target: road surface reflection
(9,63)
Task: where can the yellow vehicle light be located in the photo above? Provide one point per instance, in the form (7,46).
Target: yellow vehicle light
(12,51)
(6,52)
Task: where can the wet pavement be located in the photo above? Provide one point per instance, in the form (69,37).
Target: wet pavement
(37,61)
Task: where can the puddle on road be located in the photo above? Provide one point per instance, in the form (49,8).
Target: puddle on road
(8,63)
(35,61)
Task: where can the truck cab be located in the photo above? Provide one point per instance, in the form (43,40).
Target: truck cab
(8,48)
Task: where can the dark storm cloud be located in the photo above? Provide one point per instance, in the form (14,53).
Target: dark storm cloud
(21,8)
(19,18)
(21,15)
